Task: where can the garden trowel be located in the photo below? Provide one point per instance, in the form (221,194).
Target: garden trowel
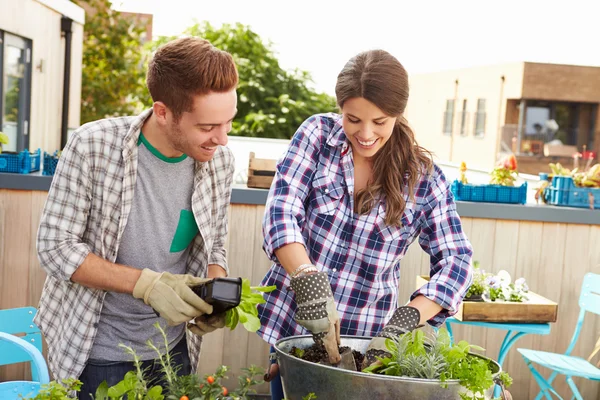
(347,361)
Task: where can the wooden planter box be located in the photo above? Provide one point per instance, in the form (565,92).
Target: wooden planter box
(260,172)
(537,309)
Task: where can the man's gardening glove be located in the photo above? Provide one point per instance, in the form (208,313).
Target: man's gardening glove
(405,319)
(316,311)
(170,295)
(207,323)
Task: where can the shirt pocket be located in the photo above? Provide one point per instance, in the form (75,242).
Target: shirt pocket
(327,194)
(391,233)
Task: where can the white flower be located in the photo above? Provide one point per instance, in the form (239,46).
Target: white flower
(504,276)
(520,282)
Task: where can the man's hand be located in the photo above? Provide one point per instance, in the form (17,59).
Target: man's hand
(207,323)
(170,295)
(317,312)
(405,319)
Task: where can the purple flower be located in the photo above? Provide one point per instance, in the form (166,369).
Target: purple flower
(520,282)
(493,282)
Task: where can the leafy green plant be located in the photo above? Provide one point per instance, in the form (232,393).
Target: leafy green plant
(478,286)
(246,312)
(57,391)
(136,386)
(417,355)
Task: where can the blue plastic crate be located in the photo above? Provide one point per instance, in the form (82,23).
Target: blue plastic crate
(50,162)
(563,192)
(20,163)
(489,193)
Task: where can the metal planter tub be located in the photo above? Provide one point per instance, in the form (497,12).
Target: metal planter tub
(329,383)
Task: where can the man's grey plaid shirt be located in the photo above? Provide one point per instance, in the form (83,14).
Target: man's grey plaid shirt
(86,212)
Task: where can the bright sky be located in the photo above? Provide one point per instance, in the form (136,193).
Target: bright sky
(321,35)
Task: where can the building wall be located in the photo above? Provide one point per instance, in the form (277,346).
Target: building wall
(561,82)
(39,21)
(427,104)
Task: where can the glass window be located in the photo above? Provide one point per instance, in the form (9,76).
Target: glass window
(448,117)
(15,69)
(480,118)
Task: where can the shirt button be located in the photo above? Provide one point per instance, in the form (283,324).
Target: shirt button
(326,190)
(95,325)
(334,270)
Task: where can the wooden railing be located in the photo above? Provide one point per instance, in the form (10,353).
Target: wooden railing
(552,257)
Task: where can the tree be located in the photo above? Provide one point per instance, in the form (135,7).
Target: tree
(113,70)
(272,102)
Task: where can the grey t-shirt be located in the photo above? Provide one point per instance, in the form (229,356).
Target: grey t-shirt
(157,236)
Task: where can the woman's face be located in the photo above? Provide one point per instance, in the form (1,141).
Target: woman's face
(366,126)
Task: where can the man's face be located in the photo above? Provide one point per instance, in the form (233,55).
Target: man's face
(199,132)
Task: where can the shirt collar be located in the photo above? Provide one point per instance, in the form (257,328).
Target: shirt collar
(337,136)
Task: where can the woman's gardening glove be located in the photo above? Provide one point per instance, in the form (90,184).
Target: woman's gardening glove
(405,319)
(170,295)
(316,311)
(207,323)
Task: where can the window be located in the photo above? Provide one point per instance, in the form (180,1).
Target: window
(448,118)
(463,119)
(15,90)
(480,119)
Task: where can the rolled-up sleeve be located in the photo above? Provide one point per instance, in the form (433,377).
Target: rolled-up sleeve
(449,248)
(218,253)
(60,247)
(285,212)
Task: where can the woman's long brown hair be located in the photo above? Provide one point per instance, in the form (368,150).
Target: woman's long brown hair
(378,77)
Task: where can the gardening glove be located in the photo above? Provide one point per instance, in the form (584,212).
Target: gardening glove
(170,295)
(207,323)
(405,319)
(316,311)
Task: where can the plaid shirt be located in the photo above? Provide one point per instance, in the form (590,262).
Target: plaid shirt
(86,212)
(311,202)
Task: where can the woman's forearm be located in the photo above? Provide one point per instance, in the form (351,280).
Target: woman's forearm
(291,256)
(427,308)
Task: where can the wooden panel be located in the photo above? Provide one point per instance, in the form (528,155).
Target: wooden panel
(552,256)
(37,275)
(483,240)
(241,253)
(576,265)
(528,258)
(258,349)
(504,258)
(14,263)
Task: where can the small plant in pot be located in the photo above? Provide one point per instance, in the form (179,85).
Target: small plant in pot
(434,357)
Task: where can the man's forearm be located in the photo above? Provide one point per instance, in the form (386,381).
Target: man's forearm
(97,273)
(216,271)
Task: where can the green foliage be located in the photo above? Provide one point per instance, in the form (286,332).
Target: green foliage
(246,312)
(479,285)
(272,102)
(113,80)
(56,391)
(134,385)
(434,357)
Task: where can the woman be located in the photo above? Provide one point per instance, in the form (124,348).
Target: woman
(352,192)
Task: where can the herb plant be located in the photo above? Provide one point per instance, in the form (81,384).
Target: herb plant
(417,355)
(246,312)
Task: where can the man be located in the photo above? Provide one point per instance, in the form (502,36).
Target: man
(137,213)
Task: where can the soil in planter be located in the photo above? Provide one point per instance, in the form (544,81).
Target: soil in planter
(317,354)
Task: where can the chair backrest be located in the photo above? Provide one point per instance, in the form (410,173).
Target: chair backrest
(13,390)
(18,321)
(589,300)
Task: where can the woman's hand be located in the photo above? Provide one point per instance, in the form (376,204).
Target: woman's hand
(316,311)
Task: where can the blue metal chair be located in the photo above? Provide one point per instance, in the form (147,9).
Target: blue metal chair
(566,364)
(27,348)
